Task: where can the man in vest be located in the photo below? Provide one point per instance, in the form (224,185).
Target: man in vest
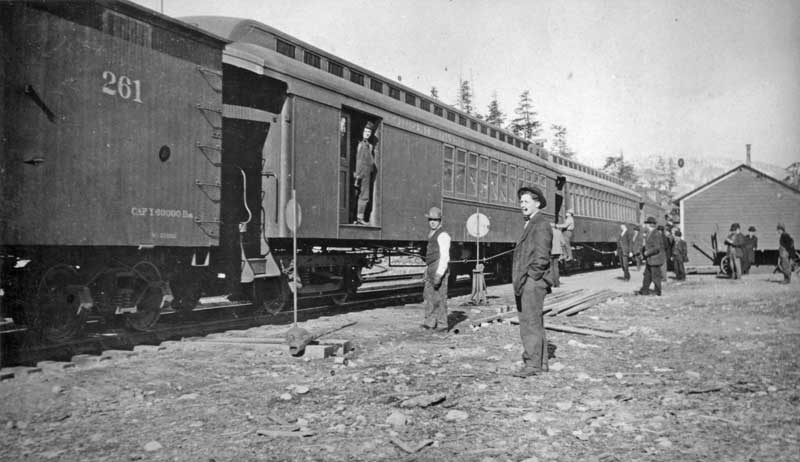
(531,278)
(567,228)
(365,169)
(436,274)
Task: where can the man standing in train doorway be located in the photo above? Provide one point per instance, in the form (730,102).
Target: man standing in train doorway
(654,257)
(531,278)
(365,170)
(437,258)
(567,228)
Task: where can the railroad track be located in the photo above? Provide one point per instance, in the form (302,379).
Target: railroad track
(19,347)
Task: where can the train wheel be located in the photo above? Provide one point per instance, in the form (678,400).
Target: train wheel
(351,282)
(725,265)
(58,315)
(149,307)
(271,295)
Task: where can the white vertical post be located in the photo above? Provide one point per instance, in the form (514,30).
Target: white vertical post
(294,253)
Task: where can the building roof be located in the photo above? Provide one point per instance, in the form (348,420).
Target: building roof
(726,175)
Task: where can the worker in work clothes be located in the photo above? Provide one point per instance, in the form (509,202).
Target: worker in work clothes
(555,254)
(531,278)
(365,170)
(680,256)
(437,258)
(624,250)
(653,253)
(786,253)
(637,242)
(735,242)
(749,250)
(567,228)
(666,235)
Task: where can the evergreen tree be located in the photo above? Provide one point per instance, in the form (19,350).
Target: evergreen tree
(494,115)
(525,123)
(793,179)
(617,166)
(559,144)
(465,97)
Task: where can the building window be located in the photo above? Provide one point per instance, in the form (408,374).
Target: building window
(376,85)
(425,105)
(447,171)
(472,176)
(411,99)
(438,111)
(394,93)
(451,116)
(285,48)
(483,177)
(461,171)
(356,77)
(335,69)
(311,59)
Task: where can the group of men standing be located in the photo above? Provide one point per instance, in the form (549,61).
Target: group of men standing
(741,250)
(652,246)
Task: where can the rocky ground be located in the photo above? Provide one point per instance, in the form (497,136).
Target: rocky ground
(707,372)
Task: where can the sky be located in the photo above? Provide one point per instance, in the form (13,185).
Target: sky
(694,79)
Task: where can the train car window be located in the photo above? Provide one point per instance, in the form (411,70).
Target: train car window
(493,133)
(512,183)
(472,176)
(502,136)
(127,28)
(520,181)
(502,195)
(376,85)
(493,181)
(394,93)
(357,77)
(528,178)
(411,99)
(425,105)
(462,120)
(335,69)
(461,172)
(510,140)
(284,48)
(447,170)
(451,116)
(473,125)
(438,111)
(484,129)
(311,59)
(483,193)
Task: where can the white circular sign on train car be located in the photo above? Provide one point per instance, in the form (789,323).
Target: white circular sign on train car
(478,225)
(290,221)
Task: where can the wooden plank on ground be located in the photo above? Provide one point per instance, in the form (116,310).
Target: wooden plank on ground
(581,330)
(600,298)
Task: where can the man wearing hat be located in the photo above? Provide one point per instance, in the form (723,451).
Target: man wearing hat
(653,253)
(786,253)
(735,243)
(624,250)
(531,278)
(637,242)
(680,256)
(749,250)
(365,169)
(436,274)
(567,229)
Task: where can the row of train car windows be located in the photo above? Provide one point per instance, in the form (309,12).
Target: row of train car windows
(471,176)
(590,202)
(337,69)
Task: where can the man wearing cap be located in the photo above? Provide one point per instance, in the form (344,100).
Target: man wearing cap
(786,253)
(637,242)
(735,243)
(624,250)
(653,253)
(567,228)
(436,273)
(555,254)
(365,169)
(531,279)
(749,250)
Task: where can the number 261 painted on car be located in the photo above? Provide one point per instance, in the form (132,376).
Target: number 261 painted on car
(122,87)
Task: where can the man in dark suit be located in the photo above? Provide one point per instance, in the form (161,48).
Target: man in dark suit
(364,173)
(624,244)
(531,278)
(654,255)
(637,242)
(679,256)
(750,247)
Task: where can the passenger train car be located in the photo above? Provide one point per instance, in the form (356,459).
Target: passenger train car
(149,164)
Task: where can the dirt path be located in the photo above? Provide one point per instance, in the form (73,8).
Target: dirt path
(708,372)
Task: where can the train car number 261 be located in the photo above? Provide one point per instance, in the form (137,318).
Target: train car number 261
(122,86)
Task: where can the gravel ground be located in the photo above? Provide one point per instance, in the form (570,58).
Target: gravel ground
(709,371)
